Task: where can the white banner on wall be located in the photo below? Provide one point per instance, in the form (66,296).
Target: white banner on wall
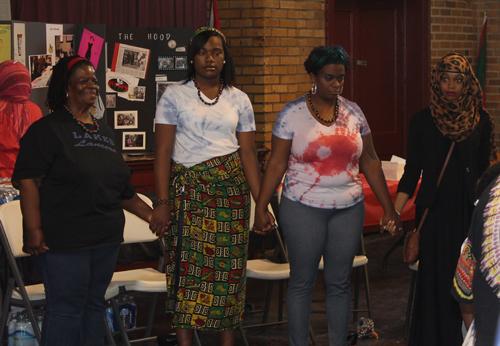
(19,36)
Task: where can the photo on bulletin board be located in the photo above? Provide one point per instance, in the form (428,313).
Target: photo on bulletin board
(134,141)
(160,89)
(126,120)
(166,63)
(111,101)
(90,47)
(40,69)
(137,93)
(181,62)
(130,60)
(64,46)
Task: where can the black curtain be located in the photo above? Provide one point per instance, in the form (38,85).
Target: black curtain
(114,13)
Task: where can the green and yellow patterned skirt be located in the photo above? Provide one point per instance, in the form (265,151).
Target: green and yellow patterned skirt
(206,265)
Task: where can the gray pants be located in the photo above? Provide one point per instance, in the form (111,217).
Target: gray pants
(309,234)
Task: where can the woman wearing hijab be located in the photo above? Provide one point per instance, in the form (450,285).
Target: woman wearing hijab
(17,113)
(455,114)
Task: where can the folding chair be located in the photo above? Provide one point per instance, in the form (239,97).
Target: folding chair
(411,297)
(141,280)
(11,234)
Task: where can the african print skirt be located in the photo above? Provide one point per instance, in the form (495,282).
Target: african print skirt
(206,264)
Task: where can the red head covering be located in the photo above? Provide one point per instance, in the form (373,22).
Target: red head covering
(15,91)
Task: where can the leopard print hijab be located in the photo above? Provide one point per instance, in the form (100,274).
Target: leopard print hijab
(458,119)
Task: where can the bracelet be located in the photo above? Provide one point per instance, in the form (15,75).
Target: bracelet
(161,201)
(397,212)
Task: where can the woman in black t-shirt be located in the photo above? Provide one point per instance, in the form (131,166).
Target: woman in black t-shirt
(74,185)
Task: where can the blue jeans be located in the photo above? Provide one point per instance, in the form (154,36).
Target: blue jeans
(75,284)
(309,234)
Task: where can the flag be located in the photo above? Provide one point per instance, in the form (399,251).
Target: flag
(214,15)
(481,59)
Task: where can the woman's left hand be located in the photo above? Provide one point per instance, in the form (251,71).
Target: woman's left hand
(391,223)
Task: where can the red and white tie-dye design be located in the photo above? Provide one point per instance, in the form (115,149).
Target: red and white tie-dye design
(323,169)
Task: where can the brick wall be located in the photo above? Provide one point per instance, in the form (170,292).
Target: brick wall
(270,40)
(456,27)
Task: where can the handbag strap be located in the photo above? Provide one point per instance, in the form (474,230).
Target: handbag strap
(439,180)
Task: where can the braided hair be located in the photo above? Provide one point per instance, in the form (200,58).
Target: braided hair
(57,94)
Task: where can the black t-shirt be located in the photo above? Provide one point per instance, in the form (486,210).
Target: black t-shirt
(85,180)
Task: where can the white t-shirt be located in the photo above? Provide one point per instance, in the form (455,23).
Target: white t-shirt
(323,168)
(204,132)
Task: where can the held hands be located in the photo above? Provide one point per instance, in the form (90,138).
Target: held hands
(391,223)
(264,222)
(160,220)
(35,244)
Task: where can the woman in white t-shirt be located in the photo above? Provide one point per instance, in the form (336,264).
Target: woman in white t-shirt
(322,141)
(207,128)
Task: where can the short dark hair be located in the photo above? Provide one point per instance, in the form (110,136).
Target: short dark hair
(58,84)
(228,72)
(326,55)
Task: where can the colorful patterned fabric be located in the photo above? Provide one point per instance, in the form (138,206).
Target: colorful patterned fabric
(206,274)
(458,119)
(490,251)
(465,272)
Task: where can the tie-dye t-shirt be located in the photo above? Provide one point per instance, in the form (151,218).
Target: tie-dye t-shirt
(323,170)
(204,132)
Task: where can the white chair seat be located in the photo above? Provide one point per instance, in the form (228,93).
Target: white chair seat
(143,280)
(358,262)
(37,292)
(414,266)
(264,269)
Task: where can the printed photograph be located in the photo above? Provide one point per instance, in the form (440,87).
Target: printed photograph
(134,140)
(165,63)
(160,89)
(137,93)
(111,101)
(40,69)
(181,62)
(126,120)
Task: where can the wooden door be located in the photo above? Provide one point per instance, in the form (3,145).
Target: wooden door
(376,34)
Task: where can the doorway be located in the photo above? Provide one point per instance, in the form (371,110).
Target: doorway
(388,43)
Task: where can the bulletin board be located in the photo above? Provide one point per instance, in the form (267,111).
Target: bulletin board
(141,64)
(41,49)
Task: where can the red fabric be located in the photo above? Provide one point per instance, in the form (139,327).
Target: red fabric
(123,13)
(9,145)
(373,208)
(214,15)
(15,91)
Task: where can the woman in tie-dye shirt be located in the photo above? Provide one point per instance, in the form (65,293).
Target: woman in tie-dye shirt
(322,141)
(206,127)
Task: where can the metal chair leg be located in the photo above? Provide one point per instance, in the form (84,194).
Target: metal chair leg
(121,328)
(409,306)
(196,338)
(108,334)
(152,309)
(367,290)
(242,335)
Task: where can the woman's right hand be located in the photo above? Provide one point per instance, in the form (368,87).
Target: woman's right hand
(35,243)
(161,220)
(264,222)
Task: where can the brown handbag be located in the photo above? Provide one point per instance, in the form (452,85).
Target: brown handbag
(412,239)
